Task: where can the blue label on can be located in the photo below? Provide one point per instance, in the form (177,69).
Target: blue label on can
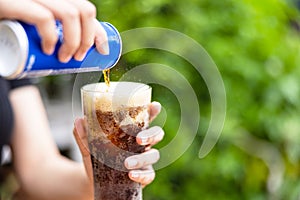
(40,64)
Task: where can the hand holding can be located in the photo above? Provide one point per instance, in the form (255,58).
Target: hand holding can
(22,55)
(78,18)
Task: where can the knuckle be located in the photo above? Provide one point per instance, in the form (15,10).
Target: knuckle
(45,17)
(72,13)
(85,45)
(45,26)
(71,46)
(88,10)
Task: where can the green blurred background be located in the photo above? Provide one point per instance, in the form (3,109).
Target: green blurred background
(256,46)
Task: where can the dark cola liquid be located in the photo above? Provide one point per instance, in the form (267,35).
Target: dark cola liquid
(118,141)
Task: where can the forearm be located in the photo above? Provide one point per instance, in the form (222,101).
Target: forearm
(59,179)
(64,180)
(41,170)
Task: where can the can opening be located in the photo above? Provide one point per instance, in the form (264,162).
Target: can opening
(14,48)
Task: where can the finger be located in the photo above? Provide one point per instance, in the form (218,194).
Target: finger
(49,37)
(87,15)
(150,136)
(37,15)
(155,108)
(101,39)
(142,160)
(145,176)
(69,16)
(72,35)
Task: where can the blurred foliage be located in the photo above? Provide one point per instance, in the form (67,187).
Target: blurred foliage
(256,46)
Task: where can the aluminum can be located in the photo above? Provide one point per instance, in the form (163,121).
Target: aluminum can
(21,54)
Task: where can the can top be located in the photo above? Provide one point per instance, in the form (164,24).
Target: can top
(14,48)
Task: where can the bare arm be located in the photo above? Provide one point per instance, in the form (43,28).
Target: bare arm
(41,170)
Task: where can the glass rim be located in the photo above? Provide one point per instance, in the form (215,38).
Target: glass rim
(90,88)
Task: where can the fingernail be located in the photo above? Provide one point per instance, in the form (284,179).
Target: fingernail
(144,141)
(64,58)
(48,49)
(132,163)
(134,175)
(157,105)
(105,48)
(79,56)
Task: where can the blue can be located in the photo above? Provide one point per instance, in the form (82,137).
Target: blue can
(21,54)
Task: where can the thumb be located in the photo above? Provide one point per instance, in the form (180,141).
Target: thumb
(81,137)
(82,142)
